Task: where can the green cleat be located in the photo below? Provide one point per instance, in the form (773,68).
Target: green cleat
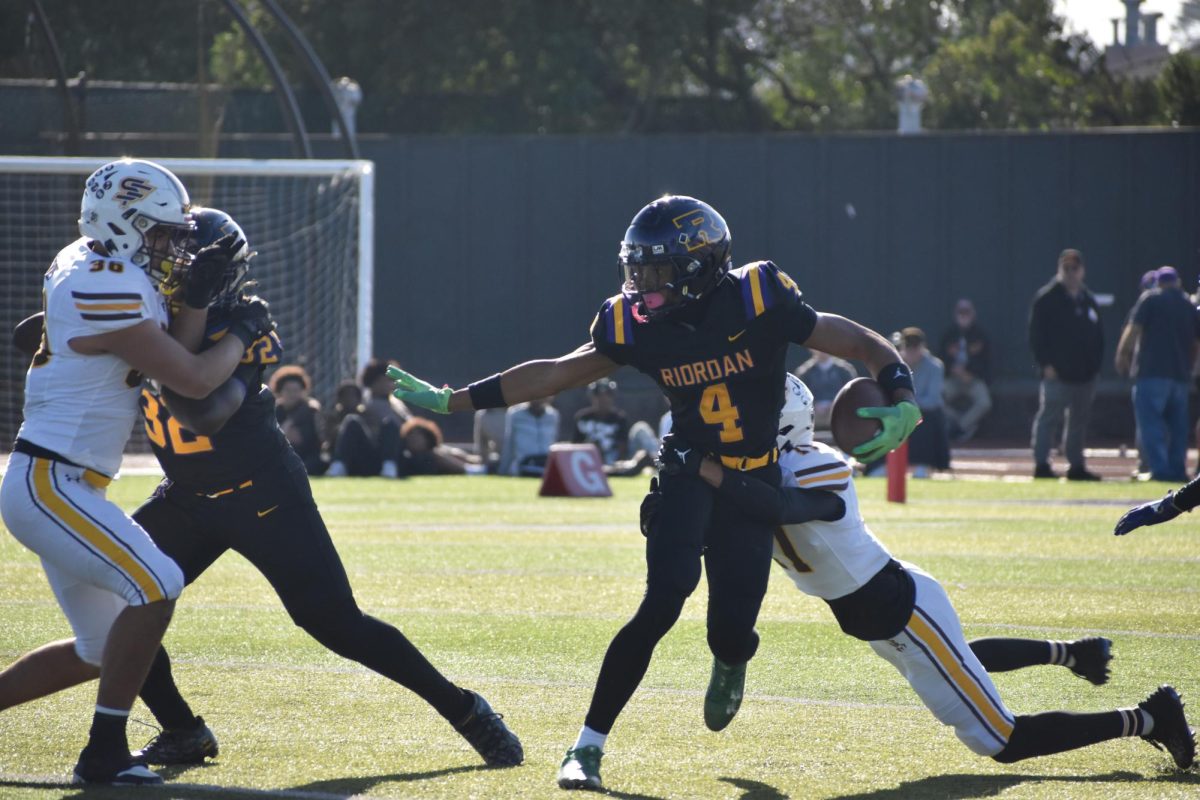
(581,769)
(724,695)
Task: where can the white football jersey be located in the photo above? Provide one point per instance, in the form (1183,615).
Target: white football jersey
(84,407)
(827,559)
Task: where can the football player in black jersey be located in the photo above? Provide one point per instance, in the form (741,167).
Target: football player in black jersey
(714,339)
(233,482)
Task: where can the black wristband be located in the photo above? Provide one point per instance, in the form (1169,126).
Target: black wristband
(486,393)
(895,376)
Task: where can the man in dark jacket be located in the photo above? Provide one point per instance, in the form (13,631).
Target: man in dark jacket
(1068,343)
(1164,330)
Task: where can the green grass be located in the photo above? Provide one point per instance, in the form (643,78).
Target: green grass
(518,597)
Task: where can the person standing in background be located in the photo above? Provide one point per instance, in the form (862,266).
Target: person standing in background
(1067,342)
(1164,330)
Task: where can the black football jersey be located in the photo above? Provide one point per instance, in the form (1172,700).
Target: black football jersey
(248,439)
(722,364)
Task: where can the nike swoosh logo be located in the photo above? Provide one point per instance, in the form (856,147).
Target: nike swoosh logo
(735,337)
(268,511)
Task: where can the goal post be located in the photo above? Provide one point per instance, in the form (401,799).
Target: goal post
(311,222)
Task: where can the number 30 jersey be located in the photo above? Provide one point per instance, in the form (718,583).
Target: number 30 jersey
(83,407)
(720,361)
(249,439)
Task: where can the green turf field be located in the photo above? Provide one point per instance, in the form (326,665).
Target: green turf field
(518,597)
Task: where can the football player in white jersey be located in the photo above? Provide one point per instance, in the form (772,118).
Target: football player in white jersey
(104,328)
(828,551)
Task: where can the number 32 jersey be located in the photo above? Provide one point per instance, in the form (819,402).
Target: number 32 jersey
(721,361)
(83,407)
(249,439)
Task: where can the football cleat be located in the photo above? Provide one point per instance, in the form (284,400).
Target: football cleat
(724,695)
(181,746)
(485,730)
(118,770)
(581,769)
(1171,731)
(1091,658)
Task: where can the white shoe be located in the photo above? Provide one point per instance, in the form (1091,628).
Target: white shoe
(389,470)
(336,470)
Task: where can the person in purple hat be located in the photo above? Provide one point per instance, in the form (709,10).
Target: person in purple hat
(1164,333)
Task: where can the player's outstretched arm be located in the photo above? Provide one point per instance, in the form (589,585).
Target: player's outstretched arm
(847,339)
(776,506)
(150,350)
(207,415)
(519,384)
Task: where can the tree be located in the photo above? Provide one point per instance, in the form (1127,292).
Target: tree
(1180,87)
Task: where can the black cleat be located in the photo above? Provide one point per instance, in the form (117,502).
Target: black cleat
(491,738)
(181,746)
(118,770)
(1171,731)
(1091,658)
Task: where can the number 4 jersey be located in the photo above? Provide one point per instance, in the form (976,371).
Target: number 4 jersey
(249,439)
(720,361)
(83,406)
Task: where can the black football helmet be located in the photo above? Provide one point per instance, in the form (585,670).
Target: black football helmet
(212,224)
(678,243)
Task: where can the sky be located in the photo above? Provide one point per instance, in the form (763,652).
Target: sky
(1092,17)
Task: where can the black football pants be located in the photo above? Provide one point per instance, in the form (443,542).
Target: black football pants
(276,526)
(693,522)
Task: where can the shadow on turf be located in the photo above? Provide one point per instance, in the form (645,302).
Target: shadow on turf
(754,790)
(964,787)
(334,787)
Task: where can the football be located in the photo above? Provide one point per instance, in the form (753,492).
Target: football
(850,430)
(27,336)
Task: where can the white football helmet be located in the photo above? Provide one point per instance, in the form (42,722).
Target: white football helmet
(124,201)
(796,418)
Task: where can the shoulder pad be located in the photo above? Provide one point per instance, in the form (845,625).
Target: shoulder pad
(108,290)
(764,286)
(614,322)
(817,466)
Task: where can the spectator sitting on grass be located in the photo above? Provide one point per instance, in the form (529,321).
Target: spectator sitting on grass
(299,416)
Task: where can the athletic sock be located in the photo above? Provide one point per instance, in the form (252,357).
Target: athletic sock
(108,731)
(1001,654)
(1059,731)
(1061,655)
(590,738)
(162,697)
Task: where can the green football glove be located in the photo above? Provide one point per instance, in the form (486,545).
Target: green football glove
(412,389)
(899,421)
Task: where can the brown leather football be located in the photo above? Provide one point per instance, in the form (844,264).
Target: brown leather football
(27,336)
(850,430)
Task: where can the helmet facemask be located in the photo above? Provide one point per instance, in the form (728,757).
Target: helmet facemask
(163,253)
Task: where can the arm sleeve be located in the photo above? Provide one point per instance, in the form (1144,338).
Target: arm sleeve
(786,506)
(612,330)
(103,301)
(794,318)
